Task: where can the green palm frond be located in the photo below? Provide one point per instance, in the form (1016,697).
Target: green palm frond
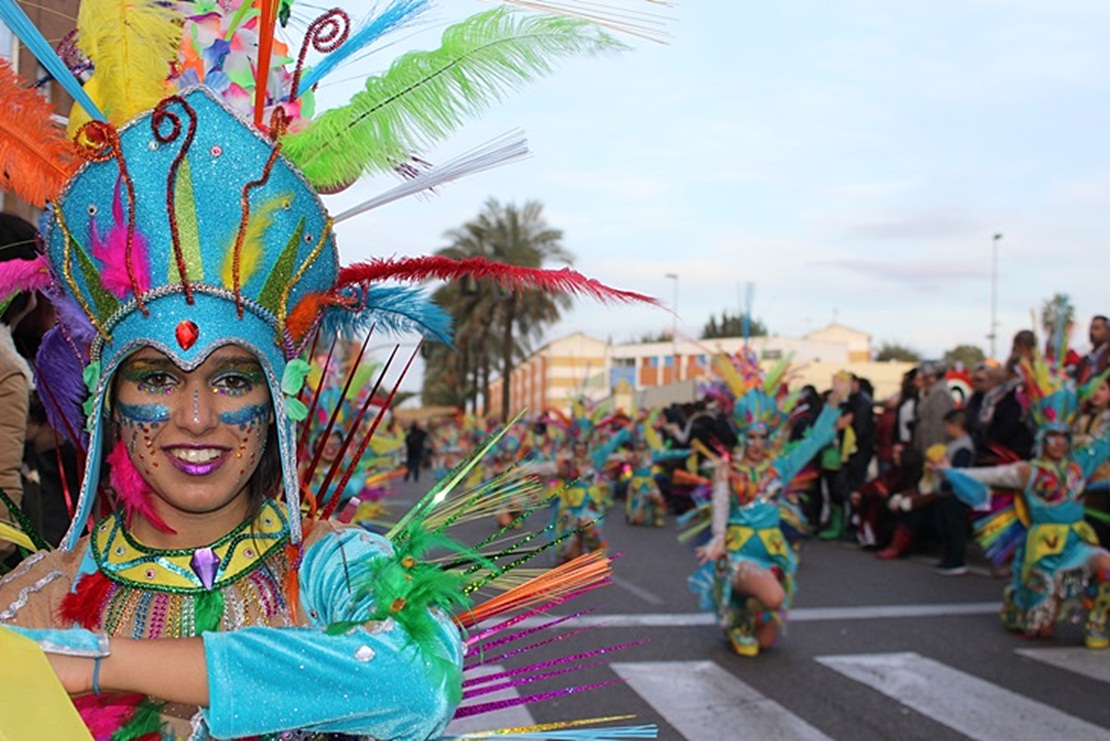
(424,95)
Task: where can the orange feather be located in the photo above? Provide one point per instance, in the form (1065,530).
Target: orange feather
(588,571)
(35,157)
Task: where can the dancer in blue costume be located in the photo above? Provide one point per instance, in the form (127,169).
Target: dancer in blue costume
(194,267)
(747,572)
(644,504)
(1059,571)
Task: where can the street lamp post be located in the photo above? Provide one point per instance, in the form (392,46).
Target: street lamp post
(674,324)
(993,335)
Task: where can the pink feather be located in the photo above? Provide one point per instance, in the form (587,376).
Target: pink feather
(563,280)
(112,253)
(18,276)
(133,490)
(105,714)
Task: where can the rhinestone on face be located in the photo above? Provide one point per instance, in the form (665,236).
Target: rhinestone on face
(216,150)
(364,654)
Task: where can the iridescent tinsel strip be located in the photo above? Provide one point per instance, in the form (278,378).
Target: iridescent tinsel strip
(487,707)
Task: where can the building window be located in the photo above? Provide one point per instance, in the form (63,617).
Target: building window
(624,362)
(668,361)
(653,362)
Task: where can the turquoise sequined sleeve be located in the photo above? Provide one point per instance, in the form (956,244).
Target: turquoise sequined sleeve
(373,680)
(1092,456)
(819,435)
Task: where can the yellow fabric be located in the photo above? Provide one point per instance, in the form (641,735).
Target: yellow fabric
(27,682)
(850,445)
(1085,532)
(236,556)
(1047,539)
(737,536)
(773,541)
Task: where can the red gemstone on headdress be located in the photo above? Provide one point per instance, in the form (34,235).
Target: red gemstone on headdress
(187,334)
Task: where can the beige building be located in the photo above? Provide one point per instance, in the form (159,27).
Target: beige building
(858,343)
(559,371)
(652,374)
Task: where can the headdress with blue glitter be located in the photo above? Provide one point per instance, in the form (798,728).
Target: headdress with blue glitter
(181,205)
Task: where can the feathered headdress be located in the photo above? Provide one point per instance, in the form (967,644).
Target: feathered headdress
(1049,393)
(758,401)
(182,204)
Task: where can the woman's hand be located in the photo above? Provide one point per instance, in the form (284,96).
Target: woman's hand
(712,550)
(75,673)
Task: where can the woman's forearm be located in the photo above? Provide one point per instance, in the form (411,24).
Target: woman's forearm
(172,669)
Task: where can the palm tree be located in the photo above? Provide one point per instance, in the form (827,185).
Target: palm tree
(496,324)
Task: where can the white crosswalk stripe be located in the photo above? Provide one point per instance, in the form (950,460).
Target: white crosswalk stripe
(1080,660)
(967,704)
(701,700)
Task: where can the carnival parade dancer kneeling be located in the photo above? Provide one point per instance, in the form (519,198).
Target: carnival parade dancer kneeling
(748,568)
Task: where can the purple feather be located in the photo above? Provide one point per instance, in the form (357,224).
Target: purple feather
(58,368)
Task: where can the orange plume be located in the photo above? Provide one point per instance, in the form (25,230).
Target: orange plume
(588,571)
(35,157)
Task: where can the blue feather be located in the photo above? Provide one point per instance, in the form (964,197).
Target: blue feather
(58,369)
(396,15)
(396,309)
(14,17)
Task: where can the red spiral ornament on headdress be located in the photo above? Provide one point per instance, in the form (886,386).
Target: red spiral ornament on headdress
(162,114)
(325,34)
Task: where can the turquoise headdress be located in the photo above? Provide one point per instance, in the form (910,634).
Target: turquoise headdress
(759,401)
(181,205)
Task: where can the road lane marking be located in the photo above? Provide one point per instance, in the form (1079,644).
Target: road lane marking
(964,703)
(650,597)
(1079,660)
(702,700)
(800,615)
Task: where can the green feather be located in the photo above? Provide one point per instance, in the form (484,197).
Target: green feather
(424,95)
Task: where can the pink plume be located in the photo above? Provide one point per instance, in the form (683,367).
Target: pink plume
(133,490)
(563,280)
(105,714)
(112,253)
(17,276)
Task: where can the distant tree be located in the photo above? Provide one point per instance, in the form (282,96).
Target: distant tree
(1055,309)
(895,351)
(966,355)
(731,325)
(662,336)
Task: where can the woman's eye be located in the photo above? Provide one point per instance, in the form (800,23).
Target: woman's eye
(156,382)
(233,384)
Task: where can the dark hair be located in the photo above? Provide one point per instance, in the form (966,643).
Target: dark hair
(957,417)
(1100,316)
(18,238)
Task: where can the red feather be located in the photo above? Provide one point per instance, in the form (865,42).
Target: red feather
(85,603)
(563,280)
(106,713)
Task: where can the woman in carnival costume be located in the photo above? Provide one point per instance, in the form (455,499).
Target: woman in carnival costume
(1035,515)
(644,504)
(747,572)
(193,265)
(583,496)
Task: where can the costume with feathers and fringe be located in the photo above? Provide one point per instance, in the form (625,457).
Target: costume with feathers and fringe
(1032,515)
(748,497)
(182,213)
(644,504)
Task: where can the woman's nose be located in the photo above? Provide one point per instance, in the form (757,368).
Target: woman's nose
(197,412)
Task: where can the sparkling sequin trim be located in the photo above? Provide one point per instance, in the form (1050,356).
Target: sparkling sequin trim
(21,601)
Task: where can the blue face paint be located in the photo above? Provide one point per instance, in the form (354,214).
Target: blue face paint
(245,415)
(144,413)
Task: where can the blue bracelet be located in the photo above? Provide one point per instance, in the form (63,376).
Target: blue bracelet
(96,676)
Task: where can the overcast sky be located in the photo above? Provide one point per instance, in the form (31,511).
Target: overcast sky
(853,160)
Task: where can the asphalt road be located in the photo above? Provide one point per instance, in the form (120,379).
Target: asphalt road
(873,650)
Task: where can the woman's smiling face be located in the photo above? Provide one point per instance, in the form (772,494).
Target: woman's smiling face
(196,436)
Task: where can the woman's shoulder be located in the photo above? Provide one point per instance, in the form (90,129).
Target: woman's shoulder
(30,592)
